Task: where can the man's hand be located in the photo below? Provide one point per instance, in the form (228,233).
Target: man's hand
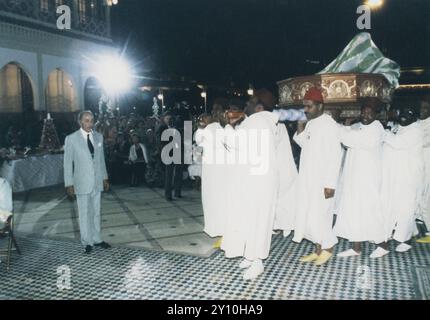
(301,125)
(106,185)
(70,191)
(329,193)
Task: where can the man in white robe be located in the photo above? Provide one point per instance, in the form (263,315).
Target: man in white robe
(424,124)
(318,176)
(285,212)
(359,214)
(249,226)
(214,177)
(402,178)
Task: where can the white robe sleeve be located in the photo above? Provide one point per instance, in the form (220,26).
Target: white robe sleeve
(145,152)
(199,137)
(300,138)
(356,139)
(333,159)
(402,141)
(131,156)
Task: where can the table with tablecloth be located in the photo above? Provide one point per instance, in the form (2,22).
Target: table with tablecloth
(33,172)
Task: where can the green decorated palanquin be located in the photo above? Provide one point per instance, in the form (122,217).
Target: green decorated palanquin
(340,90)
(359,71)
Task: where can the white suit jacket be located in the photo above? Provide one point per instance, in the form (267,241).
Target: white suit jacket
(80,169)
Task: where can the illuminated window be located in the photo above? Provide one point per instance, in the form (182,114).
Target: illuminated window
(82,10)
(15,89)
(60,93)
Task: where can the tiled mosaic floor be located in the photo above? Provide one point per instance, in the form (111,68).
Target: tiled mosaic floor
(160,252)
(132,273)
(138,217)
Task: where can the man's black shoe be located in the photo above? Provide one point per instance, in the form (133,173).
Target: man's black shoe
(103,245)
(88,249)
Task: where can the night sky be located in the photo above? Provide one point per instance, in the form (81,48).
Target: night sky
(261,41)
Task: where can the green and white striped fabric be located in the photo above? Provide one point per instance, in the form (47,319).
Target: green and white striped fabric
(363,56)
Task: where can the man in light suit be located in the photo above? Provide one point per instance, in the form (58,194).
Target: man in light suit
(86,177)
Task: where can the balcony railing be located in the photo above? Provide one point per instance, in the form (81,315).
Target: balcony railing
(88,16)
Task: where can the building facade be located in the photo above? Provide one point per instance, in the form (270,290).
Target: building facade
(44,69)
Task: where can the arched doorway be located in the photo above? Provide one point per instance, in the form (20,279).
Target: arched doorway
(92,94)
(17,106)
(60,93)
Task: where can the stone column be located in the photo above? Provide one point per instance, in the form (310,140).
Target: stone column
(108,26)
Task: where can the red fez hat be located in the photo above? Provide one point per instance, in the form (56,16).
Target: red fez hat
(314,94)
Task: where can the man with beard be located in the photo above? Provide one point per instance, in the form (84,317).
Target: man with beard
(402,178)
(317,181)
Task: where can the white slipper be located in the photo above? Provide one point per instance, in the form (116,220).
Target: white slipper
(403,247)
(254,270)
(286,233)
(348,253)
(378,253)
(245,264)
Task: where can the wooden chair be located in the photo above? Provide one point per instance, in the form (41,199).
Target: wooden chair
(6,232)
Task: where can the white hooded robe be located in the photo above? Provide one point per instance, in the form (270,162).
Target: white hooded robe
(402,180)
(319,169)
(425,200)
(359,215)
(214,178)
(285,213)
(254,185)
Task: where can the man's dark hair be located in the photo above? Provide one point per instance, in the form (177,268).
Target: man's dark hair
(167,113)
(236,103)
(266,98)
(371,102)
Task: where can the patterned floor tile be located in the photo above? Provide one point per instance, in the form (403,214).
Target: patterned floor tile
(128,273)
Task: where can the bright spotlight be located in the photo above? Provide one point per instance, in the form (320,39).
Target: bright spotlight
(160,97)
(114,74)
(374,3)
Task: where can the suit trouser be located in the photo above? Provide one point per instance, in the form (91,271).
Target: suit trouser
(138,172)
(89,217)
(173,172)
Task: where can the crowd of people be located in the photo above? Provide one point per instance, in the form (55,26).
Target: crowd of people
(363,180)
(321,178)
(133,145)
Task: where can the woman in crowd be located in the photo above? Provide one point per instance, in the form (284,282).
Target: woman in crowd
(138,158)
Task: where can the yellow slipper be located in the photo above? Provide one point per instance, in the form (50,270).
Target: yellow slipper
(217,244)
(309,258)
(323,258)
(424,240)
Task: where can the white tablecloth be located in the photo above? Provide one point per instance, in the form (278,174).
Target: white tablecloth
(33,172)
